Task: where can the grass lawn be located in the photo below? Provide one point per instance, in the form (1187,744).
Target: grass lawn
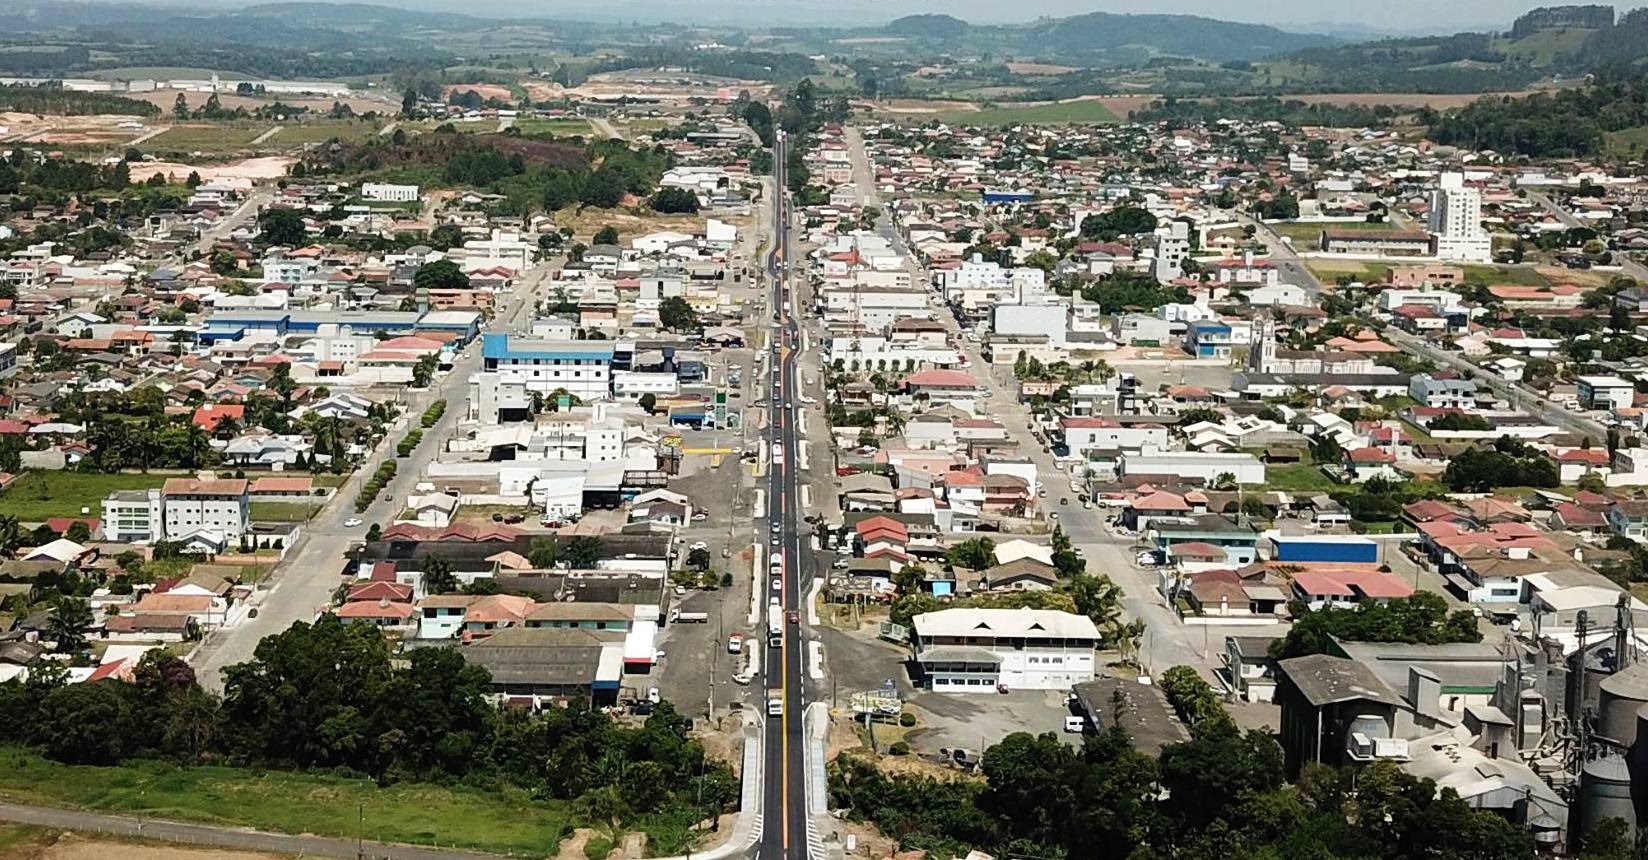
(34,496)
(557,126)
(1330,270)
(282,512)
(1298,477)
(215,137)
(320,132)
(1055,113)
(1526,276)
(456,817)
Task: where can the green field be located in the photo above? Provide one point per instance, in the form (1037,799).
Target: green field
(34,496)
(1630,143)
(1298,478)
(320,132)
(415,813)
(1056,113)
(219,137)
(1330,270)
(1524,275)
(282,512)
(558,126)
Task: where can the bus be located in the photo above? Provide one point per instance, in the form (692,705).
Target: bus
(775,629)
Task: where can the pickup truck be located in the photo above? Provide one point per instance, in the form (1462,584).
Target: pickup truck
(689,617)
(775,703)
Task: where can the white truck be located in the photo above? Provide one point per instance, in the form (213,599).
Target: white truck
(689,617)
(775,703)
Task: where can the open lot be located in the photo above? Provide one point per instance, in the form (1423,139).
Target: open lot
(293,134)
(35,496)
(1049,113)
(294,803)
(214,137)
(557,126)
(1307,235)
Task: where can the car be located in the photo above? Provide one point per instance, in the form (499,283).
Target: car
(735,643)
(1052,515)
(840,564)
(773,600)
(793,617)
(680,589)
(654,695)
(352,522)
(778,585)
(1065,500)
(1041,494)
(698,544)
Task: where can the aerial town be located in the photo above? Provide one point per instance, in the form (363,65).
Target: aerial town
(641,456)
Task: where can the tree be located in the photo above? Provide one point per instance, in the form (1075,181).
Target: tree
(437,575)
(440,275)
(607,235)
(648,402)
(78,532)
(1121,221)
(67,624)
(583,552)
(698,559)
(604,189)
(282,226)
(180,107)
(446,236)
(424,370)
(674,201)
(972,554)
(85,723)
(676,315)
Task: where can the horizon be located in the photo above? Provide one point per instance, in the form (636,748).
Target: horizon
(1394,18)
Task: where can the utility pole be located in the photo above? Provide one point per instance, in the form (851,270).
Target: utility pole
(360,830)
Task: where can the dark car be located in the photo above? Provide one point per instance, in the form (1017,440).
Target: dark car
(793,617)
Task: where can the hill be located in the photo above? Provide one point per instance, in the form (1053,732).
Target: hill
(929,26)
(1096,33)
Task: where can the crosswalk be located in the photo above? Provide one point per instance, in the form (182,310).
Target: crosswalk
(815,841)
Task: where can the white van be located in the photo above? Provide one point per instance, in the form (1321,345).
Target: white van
(1075,725)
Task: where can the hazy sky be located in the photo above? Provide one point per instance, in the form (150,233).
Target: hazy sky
(1299,15)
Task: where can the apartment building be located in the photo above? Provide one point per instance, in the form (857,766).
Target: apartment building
(583,368)
(192,505)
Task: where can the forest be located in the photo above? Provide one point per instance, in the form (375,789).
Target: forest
(1560,124)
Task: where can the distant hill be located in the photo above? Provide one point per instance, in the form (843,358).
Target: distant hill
(929,26)
(1554,17)
(1102,38)
(1183,35)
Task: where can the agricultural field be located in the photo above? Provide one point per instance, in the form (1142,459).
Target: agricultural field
(1050,113)
(1630,143)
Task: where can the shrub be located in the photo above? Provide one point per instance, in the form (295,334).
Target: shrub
(898,748)
(906,719)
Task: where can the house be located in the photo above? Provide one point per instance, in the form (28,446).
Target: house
(1239,541)
(1445,393)
(1249,672)
(980,650)
(538,667)
(1345,588)
(1628,518)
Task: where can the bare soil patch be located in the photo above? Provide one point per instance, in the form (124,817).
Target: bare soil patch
(1040,69)
(272,167)
(485,91)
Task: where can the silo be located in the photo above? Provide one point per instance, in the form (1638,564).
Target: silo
(1623,694)
(1604,792)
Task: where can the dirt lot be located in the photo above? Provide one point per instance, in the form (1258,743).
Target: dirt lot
(1039,69)
(166,98)
(485,91)
(250,168)
(48,845)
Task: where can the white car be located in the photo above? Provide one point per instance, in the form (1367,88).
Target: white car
(352,522)
(778,585)
(654,695)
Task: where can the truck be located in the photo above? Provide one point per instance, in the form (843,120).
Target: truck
(775,629)
(775,703)
(689,617)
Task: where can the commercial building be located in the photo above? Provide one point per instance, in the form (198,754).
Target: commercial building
(582,367)
(981,650)
(385,192)
(1244,468)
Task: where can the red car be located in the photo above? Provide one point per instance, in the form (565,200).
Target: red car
(794,617)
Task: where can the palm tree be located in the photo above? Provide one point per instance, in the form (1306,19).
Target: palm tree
(70,616)
(11,534)
(1088,368)
(1225,481)
(1103,371)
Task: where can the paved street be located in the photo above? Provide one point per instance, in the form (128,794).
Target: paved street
(303,583)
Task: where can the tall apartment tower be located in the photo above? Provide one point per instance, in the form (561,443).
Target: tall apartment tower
(1456,219)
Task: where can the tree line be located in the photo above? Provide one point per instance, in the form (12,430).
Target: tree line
(333,696)
(1564,123)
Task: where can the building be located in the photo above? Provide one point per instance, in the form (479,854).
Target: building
(1456,219)
(1604,392)
(1172,248)
(1377,243)
(1207,467)
(983,650)
(582,367)
(384,192)
(133,516)
(192,505)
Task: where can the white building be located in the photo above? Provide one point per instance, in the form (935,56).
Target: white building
(388,193)
(1052,320)
(980,650)
(1246,468)
(1172,248)
(1604,392)
(1456,219)
(582,367)
(133,516)
(192,505)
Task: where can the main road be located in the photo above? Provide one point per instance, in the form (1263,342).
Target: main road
(784,815)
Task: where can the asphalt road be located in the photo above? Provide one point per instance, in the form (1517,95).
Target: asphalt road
(304,581)
(784,833)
